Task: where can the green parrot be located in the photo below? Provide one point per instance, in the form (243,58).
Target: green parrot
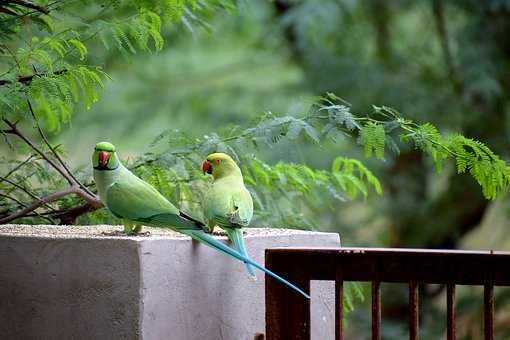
(138,203)
(227,203)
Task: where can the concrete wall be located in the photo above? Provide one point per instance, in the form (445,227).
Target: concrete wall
(76,283)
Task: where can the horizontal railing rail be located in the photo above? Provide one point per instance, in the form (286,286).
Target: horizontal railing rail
(288,313)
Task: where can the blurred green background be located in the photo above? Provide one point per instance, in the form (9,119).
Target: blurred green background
(445,62)
(276,55)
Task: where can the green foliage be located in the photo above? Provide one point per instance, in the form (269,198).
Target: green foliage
(372,137)
(353,293)
(54,96)
(378,130)
(286,192)
(50,67)
(428,138)
(490,171)
(137,30)
(283,193)
(353,176)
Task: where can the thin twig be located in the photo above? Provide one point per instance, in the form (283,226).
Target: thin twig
(13,199)
(43,136)
(67,216)
(43,201)
(16,168)
(7,11)
(36,214)
(25,190)
(14,131)
(93,202)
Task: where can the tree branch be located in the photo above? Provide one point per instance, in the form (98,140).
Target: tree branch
(24,205)
(25,190)
(14,131)
(26,4)
(92,201)
(27,79)
(13,199)
(69,216)
(42,201)
(66,168)
(7,11)
(17,167)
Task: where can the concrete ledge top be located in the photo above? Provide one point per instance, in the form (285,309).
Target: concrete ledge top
(103,231)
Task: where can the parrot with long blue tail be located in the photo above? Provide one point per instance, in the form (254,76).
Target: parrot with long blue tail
(138,203)
(227,203)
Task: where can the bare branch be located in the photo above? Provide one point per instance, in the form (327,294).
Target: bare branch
(66,216)
(7,11)
(70,216)
(25,190)
(16,168)
(26,4)
(13,199)
(77,188)
(24,205)
(43,201)
(14,131)
(66,168)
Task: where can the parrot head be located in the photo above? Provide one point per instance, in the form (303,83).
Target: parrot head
(105,157)
(219,165)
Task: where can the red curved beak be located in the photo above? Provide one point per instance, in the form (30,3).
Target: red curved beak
(103,158)
(207,167)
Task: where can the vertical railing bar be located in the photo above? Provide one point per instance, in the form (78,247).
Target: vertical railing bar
(488,297)
(413,311)
(376,310)
(450,311)
(287,313)
(339,305)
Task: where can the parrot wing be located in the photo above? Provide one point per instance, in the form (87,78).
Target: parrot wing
(140,202)
(134,198)
(241,208)
(229,207)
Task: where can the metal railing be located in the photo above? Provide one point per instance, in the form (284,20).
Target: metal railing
(288,313)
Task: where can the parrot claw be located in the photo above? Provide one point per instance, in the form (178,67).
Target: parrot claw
(219,233)
(253,278)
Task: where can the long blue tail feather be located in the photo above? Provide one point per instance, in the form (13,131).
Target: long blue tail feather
(192,229)
(236,236)
(205,238)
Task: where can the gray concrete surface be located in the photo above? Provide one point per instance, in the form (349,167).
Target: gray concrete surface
(77,283)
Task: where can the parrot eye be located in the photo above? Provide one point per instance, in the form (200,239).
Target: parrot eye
(218,161)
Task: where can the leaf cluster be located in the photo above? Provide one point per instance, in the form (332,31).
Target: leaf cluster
(47,71)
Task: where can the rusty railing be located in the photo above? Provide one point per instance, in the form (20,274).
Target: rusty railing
(288,313)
